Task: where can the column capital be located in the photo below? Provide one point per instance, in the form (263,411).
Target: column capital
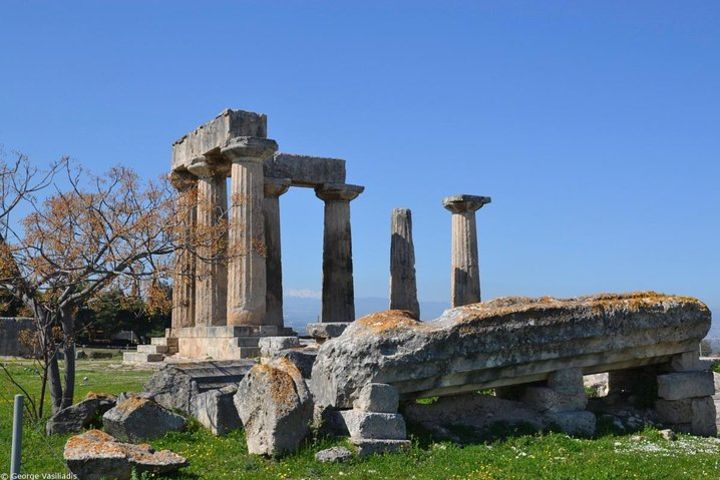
(206,167)
(182,180)
(338,191)
(274,187)
(249,149)
(464,203)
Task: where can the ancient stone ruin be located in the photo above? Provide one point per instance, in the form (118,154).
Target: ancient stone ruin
(233,364)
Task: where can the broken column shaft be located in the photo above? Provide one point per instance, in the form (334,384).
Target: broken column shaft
(247,279)
(465,274)
(403,288)
(274,187)
(210,268)
(338,295)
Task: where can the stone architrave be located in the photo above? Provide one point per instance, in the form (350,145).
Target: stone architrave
(274,187)
(210,266)
(338,295)
(247,281)
(465,278)
(183,295)
(403,288)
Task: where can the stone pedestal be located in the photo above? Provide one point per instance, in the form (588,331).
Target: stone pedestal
(338,296)
(465,278)
(210,266)
(183,295)
(247,250)
(403,288)
(273,261)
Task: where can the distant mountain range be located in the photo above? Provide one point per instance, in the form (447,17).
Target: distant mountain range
(299,311)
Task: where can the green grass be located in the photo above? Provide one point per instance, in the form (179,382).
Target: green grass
(547,456)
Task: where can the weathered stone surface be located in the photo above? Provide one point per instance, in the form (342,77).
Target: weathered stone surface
(304,359)
(305,171)
(271,346)
(366,447)
(80,416)
(688,362)
(326,330)
(699,413)
(175,385)
(465,278)
(580,424)
(275,407)
(215,134)
(403,286)
(676,386)
(545,399)
(333,455)
(95,455)
(377,397)
(215,410)
(138,419)
(507,341)
(370,425)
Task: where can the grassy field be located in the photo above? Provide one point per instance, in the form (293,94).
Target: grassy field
(644,455)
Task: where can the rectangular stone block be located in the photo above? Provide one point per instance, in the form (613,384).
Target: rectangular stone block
(676,386)
(306,171)
(367,425)
(271,346)
(704,417)
(211,136)
(546,399)
(674,411)
(377,397)
(687,362)
(216,410)
(375,447)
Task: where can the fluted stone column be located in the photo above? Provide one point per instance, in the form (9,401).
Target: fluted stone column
(338,294)
(465,276)
(274,187)
(403,288)
(210,266)
(247,281)
(183,293)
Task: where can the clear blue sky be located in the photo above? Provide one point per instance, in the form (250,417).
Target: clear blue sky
(593,125)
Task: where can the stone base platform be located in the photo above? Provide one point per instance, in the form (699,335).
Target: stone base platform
(225,343)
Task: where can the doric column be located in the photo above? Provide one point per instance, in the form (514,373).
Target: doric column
(274,187)
(211,241)
(183,293)
(247,281)
(465,275)
(403,288)
(338,295)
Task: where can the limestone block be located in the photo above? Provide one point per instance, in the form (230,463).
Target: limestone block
(704,417)
(270,346)
(326,330)
(377,397)
(302,358)
(216,410)
(369,425)
(95,455)
(598,333)
(138,419)
(687,362)
(568,381)
(304,170)
(676,386)
(546,399)
(333,455)
(574,423)
(698,413)
(366,447)
(79,416)
(674,411)
(275,407)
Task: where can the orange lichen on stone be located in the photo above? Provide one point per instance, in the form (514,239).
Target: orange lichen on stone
(282,387)
(388,320)
(132,403)
(99,396)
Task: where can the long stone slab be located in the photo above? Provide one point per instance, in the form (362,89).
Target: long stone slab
(209,137)
(508,341)
(305,171)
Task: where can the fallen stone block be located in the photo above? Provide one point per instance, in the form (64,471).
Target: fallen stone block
(95,455)
(326,330)
(366,447)
(507,341)
(215,410)
(302,358)
(369,425)
(333,455)
(271,346)
(80,416)
(377,397)
(138,419)
(174,386)
(581,424)
(275,407)
(676,386)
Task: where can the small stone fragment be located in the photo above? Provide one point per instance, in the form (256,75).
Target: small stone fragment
(667,434)
(369,425)
(333,455)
